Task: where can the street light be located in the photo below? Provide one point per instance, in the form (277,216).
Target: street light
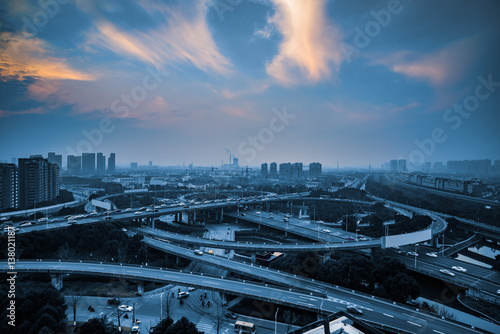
(276,321)
(416,248)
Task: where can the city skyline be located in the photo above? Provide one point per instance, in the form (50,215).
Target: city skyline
(188,82)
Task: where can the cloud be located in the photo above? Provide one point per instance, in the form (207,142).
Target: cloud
(309,51)
(439,68)
(364,113)
(179,35)
(23,57)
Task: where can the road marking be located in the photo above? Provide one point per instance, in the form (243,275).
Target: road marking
(413,323)
(388,315)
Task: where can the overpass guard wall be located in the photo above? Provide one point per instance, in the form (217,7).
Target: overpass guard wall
(406,239)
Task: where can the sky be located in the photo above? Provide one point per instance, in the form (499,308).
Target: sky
(349,81)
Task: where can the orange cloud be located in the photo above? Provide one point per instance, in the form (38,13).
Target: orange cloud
(181,37)
(23,57)
(310,49)
(439,68)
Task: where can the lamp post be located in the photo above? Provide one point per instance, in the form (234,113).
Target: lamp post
(276,321)
(416,248)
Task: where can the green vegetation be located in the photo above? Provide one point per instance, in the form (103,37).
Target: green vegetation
(434,202)
(385,276)
(39,308)
(181,326)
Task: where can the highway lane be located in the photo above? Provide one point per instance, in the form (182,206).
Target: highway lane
(278,247)
(376,311)
(252,270)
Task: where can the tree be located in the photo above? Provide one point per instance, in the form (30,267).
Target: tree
(401,287)
(168,302)
(386,267)
(122,252)
(99,325)
(163,326)
(496,264)
(218,318)
(74,299)
(183,326)
(290,318)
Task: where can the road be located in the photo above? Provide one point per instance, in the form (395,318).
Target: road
(375,310)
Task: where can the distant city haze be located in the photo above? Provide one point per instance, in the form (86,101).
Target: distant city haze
(347,83)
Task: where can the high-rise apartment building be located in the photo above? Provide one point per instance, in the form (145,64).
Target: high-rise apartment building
(286,171)
(55,159)
(263,170)
(88,163)
(38,181)
(111,163)
(273,170)
(9,186)
(297,170)
(74,164)
(101,163)
(315,169)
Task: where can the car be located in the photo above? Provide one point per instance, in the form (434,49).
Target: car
(326,230)
(231,315)
(257,213)
(354,309)
(447,272)
(71,222)
(362,239)
(118,210)
(135,330)
(125,308)
(124,229)
(113,301)
(183,294)
(26,224)
(498,291)
(108,218)
(149,210)
(128,209)
(198,252)
(243,214)
(142,209)
(191,289)
(138,212)
(412,254)
(43,219)
(226,251)
(350,238)
(458,268)
(431,254)
(94,213)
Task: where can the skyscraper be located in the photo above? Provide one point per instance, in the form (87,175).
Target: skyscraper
(111,163)
(297,170)
(9,186)
(273,170)
(263,170)
(74,164)
(286,171)
(314,169)
(133,165)
(88,163)
(101,163)
(38,181)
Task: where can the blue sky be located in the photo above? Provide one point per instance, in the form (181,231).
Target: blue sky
(269,80)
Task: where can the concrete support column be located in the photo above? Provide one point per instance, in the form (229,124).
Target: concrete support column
(176,260)
(153,222)
(216,214)
(434,241)
(194,216)
(140,288)
(254,257)
(326,256)
(180,217)
(221,214)
(57,281)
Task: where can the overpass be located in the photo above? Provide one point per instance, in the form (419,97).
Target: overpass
(378,312)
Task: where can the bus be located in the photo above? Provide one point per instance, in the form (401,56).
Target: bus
(242,327)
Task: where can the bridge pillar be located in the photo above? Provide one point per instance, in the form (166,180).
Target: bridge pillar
(216,214)
(194,216)
(152,222)
(176,260)
(327,256)
(221,213)
(254,257)
(434,241)
(140,288)
(57,281)
(180,217)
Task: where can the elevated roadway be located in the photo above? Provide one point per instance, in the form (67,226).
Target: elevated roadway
(376,312)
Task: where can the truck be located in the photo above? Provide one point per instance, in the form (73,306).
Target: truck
(271,216)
